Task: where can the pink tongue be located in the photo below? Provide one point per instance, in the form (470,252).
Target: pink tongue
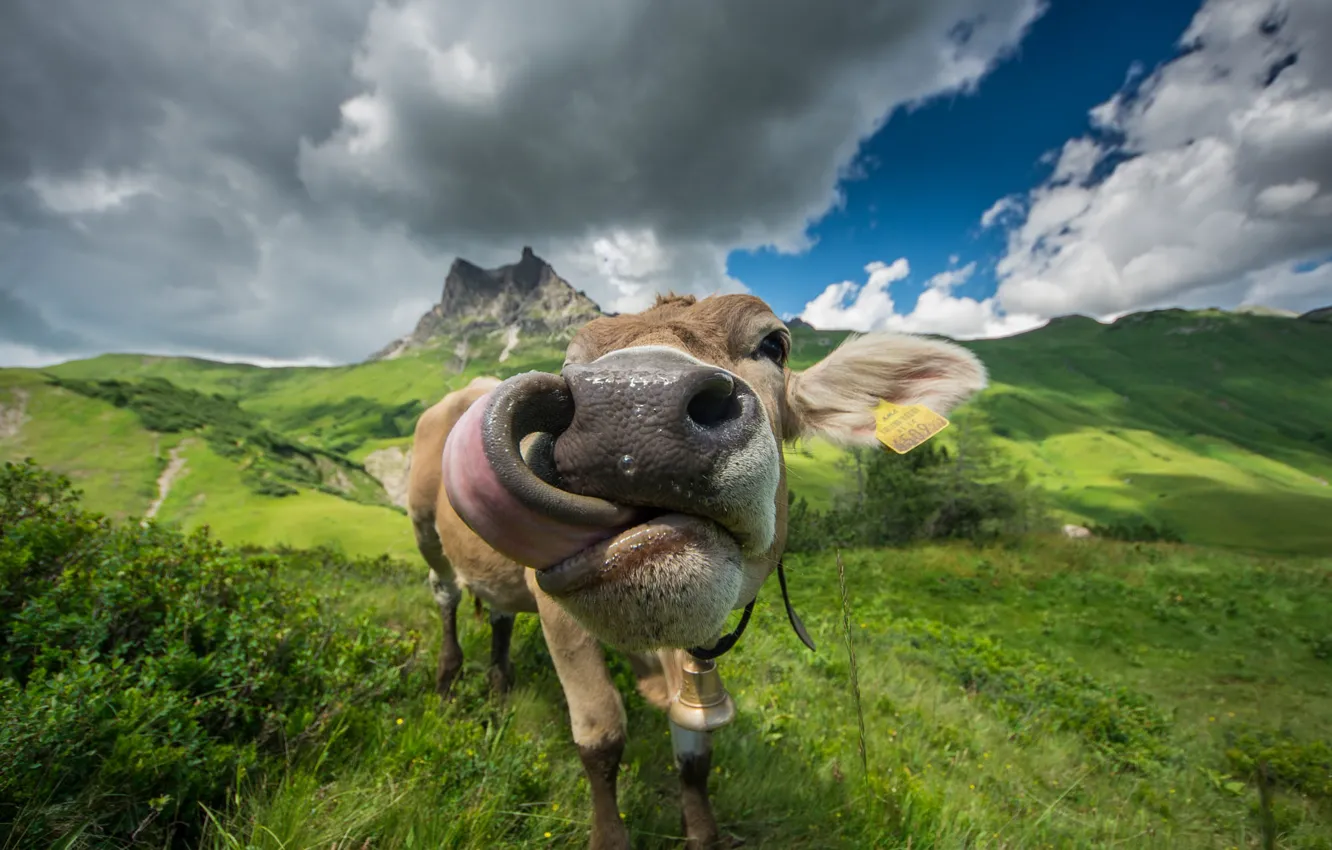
(511,528)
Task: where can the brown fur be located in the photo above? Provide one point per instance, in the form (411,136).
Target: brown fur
(834,398)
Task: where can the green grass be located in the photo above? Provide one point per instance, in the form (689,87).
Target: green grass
(1045,694)
(817,470)
(1217,423)
(210,492)
(103,450)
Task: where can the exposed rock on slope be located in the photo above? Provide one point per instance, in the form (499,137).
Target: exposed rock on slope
(391,467)
(14,414)
(523,299)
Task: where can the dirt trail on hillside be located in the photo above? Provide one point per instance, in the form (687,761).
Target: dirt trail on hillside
(175,466)
(14,414)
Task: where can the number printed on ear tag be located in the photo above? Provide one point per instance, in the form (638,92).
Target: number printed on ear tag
(903,427)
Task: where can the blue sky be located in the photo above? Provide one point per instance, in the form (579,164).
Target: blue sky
(296,192)
(942,165)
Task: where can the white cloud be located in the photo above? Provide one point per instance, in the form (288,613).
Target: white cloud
(634,266)
(1222,179)
(1004,206)
(870,307)
(25,356)
(1076,161)
(1284,197)
(92,191)
(854,307)
(946,280)
(1282,284)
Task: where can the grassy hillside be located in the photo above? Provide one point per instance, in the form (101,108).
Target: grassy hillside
(1036,693)
(1057,694)
(1218,424)
(104,450)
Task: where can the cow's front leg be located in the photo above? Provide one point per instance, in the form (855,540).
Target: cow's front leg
(596,713)
(447,595)
(693,758)
(501,667)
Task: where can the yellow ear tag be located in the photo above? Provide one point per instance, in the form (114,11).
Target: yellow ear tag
(903,427)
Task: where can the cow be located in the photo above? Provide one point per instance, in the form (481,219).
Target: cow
(638,498)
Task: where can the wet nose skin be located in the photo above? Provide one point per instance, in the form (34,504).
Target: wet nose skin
(653,428)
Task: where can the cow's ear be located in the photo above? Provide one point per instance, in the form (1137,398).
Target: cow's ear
(835,398)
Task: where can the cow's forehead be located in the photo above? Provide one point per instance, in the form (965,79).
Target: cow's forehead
(716,328)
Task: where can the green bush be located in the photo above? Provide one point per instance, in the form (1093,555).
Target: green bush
(1137,530)
(143,672)
(929,493)
(1303,767)
(357,417)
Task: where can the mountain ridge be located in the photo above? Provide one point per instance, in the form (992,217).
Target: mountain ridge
(523,298)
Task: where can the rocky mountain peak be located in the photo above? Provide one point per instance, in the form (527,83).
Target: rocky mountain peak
(519,299)
(468,286)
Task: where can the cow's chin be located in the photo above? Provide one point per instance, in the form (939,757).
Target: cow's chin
(669,582)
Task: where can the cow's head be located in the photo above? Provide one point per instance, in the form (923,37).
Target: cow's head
(646,484)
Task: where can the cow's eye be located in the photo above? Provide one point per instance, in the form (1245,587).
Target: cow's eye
(774,347)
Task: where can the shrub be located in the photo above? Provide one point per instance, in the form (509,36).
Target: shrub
(929,493)
(143,671)
(1303,767)
(1137,530)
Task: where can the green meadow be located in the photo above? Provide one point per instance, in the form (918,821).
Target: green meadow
(1024,691)
(1033,692)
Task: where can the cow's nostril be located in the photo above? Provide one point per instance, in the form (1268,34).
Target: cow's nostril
(714,402)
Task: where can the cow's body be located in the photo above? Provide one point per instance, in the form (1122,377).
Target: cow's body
(660,508)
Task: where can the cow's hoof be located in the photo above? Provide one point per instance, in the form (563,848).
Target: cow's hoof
(444,684)
(715,842)
(501,680)
(609,838)
(706,839)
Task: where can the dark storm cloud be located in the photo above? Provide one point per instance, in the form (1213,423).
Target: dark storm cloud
(22,325)
(115,86)
(292,180)
(724,123)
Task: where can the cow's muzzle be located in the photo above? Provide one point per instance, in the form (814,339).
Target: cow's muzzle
(637,486)
(654,428)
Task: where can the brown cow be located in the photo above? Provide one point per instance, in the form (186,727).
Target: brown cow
(640,497)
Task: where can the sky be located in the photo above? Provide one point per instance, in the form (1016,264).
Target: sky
(289,183)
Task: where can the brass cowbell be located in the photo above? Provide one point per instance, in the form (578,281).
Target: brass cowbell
(702,704)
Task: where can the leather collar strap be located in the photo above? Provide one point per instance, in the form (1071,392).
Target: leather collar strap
(791,614)
(728,641)
(724,645)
